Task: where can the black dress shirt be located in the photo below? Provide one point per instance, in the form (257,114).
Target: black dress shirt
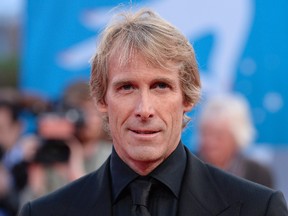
(166,178)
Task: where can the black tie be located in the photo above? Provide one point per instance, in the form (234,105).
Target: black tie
(140,189)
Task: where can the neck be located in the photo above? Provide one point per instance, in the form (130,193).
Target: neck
(144,168)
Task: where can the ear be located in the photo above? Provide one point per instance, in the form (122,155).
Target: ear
(188,106)
(102,106)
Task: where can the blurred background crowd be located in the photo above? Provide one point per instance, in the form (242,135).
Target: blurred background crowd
(51,133)
(45,144)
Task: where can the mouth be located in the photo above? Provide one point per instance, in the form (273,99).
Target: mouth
(145,135)
(145,131)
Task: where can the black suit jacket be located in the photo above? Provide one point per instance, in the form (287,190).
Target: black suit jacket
(257,172)
(206,191)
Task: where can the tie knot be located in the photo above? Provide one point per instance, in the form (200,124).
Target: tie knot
(140,189)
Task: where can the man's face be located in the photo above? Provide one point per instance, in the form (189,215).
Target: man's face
(145,108)
(9,130)
(217,145)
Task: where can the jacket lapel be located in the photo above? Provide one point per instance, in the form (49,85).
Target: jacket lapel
(199,193)
(233,209)
(95,195)
(102,205)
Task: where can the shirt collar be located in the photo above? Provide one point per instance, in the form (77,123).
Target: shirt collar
(169,173)
(121,174)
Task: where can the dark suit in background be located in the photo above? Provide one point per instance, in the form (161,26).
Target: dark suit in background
(252,170)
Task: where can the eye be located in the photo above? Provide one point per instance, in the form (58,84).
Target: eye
(160,85)
(126,87)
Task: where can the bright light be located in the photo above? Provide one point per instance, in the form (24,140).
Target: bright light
(11,8)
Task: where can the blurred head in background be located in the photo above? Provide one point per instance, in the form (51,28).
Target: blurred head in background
(77,95)
(225,129)
(10,124)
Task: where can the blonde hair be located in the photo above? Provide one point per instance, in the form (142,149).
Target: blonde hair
(160,43)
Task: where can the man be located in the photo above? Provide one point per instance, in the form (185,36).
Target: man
(225,130)
(144,79)
(11,148)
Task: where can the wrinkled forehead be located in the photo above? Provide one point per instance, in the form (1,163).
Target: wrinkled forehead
(135,58)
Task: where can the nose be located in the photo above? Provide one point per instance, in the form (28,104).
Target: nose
(144,109)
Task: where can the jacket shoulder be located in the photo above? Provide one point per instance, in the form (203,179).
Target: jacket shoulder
(218,191)
(68,197)
(250,194)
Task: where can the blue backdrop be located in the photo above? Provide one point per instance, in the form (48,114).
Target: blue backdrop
(241,45)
